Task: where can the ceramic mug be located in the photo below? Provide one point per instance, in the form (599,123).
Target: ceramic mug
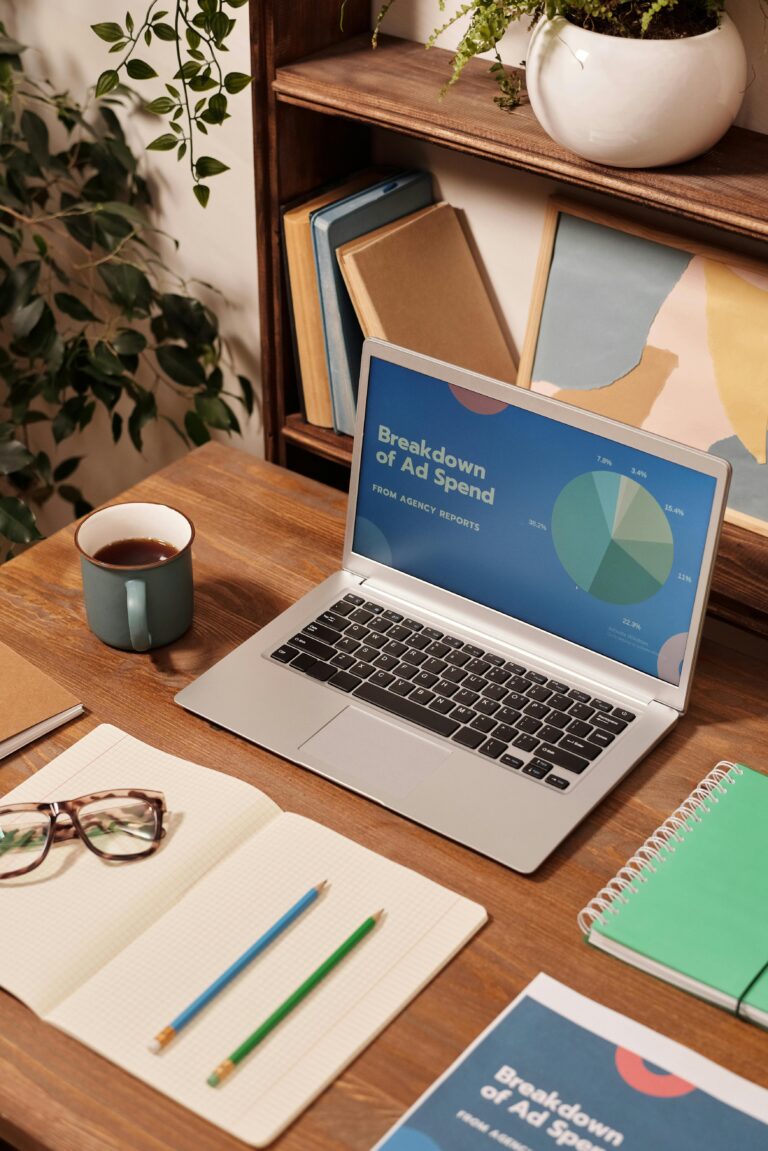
(136,562)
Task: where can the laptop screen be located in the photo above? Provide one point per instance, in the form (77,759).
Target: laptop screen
(569,531)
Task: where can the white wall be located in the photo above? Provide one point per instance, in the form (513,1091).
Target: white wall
(217,245)
(504,209)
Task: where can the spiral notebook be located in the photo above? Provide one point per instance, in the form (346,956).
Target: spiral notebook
(690,905)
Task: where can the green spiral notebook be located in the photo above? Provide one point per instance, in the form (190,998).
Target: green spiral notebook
(691,906)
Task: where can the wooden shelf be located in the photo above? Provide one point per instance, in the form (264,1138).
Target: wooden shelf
(397,85)
(321,441)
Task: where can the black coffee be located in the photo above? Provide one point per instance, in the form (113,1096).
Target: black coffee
(135,553)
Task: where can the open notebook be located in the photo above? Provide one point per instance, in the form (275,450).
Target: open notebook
(111,952)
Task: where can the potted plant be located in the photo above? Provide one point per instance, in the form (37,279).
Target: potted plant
(628,83)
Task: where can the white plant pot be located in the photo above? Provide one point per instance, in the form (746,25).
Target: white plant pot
(635,103)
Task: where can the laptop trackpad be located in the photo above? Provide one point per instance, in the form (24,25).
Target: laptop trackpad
(374,755)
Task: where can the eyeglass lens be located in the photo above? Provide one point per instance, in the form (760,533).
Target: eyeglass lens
(23,835)
(119,826)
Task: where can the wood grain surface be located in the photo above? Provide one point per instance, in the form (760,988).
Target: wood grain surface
(264,537)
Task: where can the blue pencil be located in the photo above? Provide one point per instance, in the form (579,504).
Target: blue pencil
(164,1037)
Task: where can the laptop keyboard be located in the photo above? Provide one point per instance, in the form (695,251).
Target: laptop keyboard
(541,727)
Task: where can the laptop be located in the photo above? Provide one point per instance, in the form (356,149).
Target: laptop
(517,617)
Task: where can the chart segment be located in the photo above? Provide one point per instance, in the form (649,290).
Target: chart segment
(612,537)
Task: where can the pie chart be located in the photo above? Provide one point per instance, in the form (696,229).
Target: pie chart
(612,537)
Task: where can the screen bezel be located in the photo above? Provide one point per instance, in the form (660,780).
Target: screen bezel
(508,629)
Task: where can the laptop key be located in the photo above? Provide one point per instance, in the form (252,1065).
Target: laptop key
(557,781)
(622,713)
(347,645)
(516,700)
(341,607)
(535,677)
(399,632)
(452,641)
(496,660)
(492,748)
(474,683)
(337,622)
(557,686)
(374,639)
(462,714)
(305,661)
(483,723)
(454,674)
(507,715)
(313,646)
(511,761)
(458,658)
(478,666)
(343,661)
(425,679)
(537,710)
(539,693)
(578,746)
(422,696)
(466,698)
(367,654)
(392,616)
(386,662)
(432,633)
(469,738)
(344,681)
(374,608)
(414,657)
(381,678)
(560,702)
(579,727)
(581,696)
(601,738)
(538,769)
(394,647)
(581,711)
(363,670)
(526,743)
(441,704)
(356,631)
(559,719)
(361,616)
(419,641)
(606,722)
(437,649)
(477,652)
(401,687)
(504,732)
(486,706)
(413,624)
(494,691)
(528,724)
(406,670)
(550,734)
(557,757)
(436,666)
(497,675)
(601,704)
(284,654)
(445,687)
(354,599)
(517,683)
(380,625)
(514,668)
(424,717)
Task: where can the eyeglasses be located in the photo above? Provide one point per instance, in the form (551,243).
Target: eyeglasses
(115,825)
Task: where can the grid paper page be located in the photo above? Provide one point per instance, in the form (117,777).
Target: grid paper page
(126,1003)
(75,912)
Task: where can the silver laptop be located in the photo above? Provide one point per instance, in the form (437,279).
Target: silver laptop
(516,621)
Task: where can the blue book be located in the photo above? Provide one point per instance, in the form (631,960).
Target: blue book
(345,220)
(557,1071)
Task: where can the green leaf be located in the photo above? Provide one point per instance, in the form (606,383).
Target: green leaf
(128,342)
(129,22)
(128,211)
(196,429)
(214,412)
(65,469)
(36,135)
(193,38)
(187,70)
(140,70)
(72,306)
(18,286)
(63,425)
(145,409)
(246,388)
(187,319)
(181,365)
(106,361)
(164,31)
(127,286)
(24,319)
(13,457)
(161,106)
(164,143)
(208,166)
(174,91)
(203,194)
(201,84)
(235,82)
(17,523)
(108,31)
(106,82)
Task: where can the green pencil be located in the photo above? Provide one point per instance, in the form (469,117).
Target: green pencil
(227,1067)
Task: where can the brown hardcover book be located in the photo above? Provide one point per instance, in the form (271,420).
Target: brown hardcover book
(31,703)
(305,297)
(416,283)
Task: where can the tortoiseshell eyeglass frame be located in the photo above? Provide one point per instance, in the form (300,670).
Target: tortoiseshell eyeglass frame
(58,833)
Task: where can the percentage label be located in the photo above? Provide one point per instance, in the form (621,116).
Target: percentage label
(673,511)
(684,577)
(631,623)
(537,524)
(639,472)
(604,460)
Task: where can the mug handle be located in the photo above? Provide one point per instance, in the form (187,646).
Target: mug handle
(136,600)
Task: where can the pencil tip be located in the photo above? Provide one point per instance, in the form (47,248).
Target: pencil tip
(378,914)
(322,886)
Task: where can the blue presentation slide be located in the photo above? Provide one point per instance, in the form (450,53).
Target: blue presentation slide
(566,530)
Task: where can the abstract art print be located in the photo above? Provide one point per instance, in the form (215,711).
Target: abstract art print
(659,332)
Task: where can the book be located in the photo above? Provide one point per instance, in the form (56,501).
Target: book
(370,208)
(416,283)
(304,298)
(690,905)
(557,1070)
(109,953)
(32,703)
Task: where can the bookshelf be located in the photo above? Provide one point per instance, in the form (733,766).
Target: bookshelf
(320,90)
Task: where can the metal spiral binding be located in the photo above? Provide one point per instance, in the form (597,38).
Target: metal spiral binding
(664,839)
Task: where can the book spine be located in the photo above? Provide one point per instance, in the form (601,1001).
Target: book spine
(665,839)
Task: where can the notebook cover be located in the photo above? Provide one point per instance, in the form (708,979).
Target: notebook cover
(416,283)
(332,227)
(702,909)
(28,695)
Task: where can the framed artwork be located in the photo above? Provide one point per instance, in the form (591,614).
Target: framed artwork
(656,331)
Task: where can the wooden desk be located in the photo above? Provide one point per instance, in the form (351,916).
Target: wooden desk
(264,537)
